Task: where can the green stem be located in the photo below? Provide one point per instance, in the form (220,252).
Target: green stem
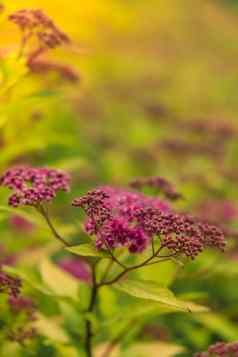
(129,269)
(89,333)
(45,214)
(113,256)
(107,270)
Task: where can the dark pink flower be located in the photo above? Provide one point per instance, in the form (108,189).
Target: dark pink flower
(111,217)
(220,349)
(36,22)
(180,233)
(76,267)
(9,285)
(159,183)
(130,219)
(32,186)
(6,258)
(20,224)
(20,303)
(45,66)
(220,211)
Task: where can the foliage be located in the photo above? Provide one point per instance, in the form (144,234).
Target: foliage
(126,94)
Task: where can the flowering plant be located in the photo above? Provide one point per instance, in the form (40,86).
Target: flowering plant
(130,269)
(126,231)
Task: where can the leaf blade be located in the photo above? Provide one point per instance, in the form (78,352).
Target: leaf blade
(60,282)
(149,290)
(87,250)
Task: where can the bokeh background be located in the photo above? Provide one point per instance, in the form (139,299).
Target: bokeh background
(156,95)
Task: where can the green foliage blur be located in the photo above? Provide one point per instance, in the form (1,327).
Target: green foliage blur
(156,94)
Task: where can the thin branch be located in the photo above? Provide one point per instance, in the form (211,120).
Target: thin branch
(129,269)
(158,261)
(45,214)
(167,256)
(107,270)
(89,333)
(23,44)
(113,256)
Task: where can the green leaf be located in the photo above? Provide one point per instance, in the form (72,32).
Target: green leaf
(88,250)
(163,274)
(66,351)
(60,282)
(137,311)
(153,349)
(14,70)
(150,290)
(34,284)
(108,304)
(50,328)
(43,94)
(19,212)
(10,349)
(218,324)
(142,350)
(74,321)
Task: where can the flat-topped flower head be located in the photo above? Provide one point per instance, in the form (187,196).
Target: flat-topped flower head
(180,233)
(131,219)
(33,186)
(220,349)
(111,217)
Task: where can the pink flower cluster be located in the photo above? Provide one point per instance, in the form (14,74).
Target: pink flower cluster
(21,303)
(20,224)
(220,211)
(95,204)
(18,305)
(220,349)
(66,72)
(77,268)
(159,183)
(112,217)
(6,258)
(180,233)
(33,186)
(9,285)
(32,21)
(124,218)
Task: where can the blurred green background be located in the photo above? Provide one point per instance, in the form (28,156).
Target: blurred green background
(157,95)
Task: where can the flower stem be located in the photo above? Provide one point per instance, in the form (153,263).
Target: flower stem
(107,270)
(45,214)
(89,334)
(128,269)
(113,256)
